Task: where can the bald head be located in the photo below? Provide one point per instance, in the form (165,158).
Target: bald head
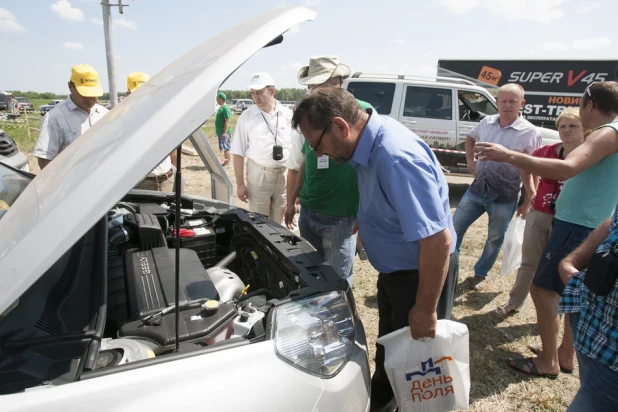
(512,88)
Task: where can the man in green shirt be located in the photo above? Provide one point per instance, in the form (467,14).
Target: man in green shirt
(223,128)
(328,190)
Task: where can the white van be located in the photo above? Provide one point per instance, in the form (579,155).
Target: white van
(425,104)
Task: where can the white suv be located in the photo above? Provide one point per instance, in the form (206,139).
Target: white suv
(425,105)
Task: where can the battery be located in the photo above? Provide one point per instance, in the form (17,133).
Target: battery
(198,235)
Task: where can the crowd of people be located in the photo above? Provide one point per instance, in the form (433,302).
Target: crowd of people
(360,180)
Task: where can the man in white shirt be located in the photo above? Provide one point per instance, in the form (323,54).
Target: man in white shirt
(161,177)
(262,136)
(69,119)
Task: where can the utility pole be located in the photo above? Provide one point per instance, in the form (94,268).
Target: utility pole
(109,48)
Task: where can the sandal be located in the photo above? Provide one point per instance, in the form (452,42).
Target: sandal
(537,350)
(527,366)
(501,310)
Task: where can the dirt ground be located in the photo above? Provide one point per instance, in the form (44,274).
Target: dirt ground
(493,337)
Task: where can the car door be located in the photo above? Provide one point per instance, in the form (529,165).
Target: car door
(428,111)
(472,107)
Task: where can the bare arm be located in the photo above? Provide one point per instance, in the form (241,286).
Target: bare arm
(530,191)
(290,184)
(43,162)
(174,158)
(239,171)
(300,181)
(433,265)
(579,259)
(600,144)
(470,142)
(226,126)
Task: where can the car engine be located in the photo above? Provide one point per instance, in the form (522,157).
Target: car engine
(110,300)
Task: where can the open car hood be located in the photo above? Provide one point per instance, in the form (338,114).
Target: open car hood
(87,179)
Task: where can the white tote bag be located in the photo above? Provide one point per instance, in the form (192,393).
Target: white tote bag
(513,240)
(429,374)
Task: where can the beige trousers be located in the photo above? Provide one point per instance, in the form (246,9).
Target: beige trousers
(266,188)
(536,233)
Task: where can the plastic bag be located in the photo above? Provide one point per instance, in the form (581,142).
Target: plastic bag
(513,239)
(429,374)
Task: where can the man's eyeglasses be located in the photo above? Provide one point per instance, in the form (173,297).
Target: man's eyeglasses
(317,143)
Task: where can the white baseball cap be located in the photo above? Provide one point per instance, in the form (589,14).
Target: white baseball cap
(260,80)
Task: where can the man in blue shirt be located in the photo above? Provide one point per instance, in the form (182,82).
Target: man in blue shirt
(404,215)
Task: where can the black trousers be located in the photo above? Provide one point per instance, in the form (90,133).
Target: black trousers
(396,297)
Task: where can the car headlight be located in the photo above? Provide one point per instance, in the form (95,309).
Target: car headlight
(316,334)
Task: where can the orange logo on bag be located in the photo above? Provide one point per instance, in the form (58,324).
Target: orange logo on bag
(490,75)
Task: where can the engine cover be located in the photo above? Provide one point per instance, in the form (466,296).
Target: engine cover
(151,274)
(148,285)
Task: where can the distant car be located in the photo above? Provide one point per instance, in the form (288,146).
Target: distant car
(24,104)
(3,100)
(43,109)
(10,154)
(242,105)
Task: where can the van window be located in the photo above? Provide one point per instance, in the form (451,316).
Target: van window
(473,106)
(428,102)
(379,95)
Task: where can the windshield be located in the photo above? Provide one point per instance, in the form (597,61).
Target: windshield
(22,99)
(12,184)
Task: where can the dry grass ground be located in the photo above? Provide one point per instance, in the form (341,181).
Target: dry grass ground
(493,337)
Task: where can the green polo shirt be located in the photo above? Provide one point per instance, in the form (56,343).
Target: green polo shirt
(223,113)
(332,191)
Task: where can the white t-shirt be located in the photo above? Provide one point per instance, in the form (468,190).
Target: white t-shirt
(62,125)
(255,132)
(295,159)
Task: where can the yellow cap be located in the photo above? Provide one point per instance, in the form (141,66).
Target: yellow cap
(135,80)
(86,80)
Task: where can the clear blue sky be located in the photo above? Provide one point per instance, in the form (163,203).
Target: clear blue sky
(41,39)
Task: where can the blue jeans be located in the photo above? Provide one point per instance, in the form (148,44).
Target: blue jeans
(597,392)
(332,237)
(224,141)
(470,208)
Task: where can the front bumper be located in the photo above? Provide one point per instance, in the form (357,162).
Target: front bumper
(247,378)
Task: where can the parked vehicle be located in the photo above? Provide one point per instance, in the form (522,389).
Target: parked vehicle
(43,109)
(10,154)
(242,105)
(551,85)
(24,104)
(3,100)
(87,272)
(425,104)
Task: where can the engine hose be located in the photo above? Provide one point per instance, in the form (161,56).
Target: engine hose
(226,260)
(260,291)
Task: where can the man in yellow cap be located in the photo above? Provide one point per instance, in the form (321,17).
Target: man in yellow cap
(62,125)
(161,177)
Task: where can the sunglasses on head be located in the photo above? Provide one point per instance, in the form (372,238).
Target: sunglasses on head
(588,89)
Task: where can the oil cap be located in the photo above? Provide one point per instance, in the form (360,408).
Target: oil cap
(244,316)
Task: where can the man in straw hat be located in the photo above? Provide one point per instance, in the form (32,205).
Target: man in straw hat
(328,190)
(69,119)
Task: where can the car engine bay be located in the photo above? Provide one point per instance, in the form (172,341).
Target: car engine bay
(110,300)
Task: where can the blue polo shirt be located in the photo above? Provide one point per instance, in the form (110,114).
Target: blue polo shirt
(403,194)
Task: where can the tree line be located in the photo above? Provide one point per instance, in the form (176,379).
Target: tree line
(288,94)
